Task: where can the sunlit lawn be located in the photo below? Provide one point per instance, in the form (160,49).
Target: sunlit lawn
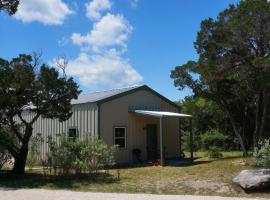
(204,177)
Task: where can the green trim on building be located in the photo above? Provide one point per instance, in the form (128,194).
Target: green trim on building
(143,87)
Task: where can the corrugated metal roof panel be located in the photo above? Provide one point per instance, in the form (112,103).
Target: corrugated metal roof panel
(97,96)
(161,113)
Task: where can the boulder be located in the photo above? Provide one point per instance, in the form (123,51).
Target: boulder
(254,179)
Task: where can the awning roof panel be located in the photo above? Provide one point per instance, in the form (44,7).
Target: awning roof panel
(161,113)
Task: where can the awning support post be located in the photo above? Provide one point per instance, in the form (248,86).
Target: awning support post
(191,139)
(161,141)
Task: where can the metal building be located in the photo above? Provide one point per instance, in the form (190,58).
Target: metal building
(133,118)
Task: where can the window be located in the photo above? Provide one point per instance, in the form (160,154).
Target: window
(72,132)
(120,136)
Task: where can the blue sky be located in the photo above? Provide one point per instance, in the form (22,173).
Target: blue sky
(110,43)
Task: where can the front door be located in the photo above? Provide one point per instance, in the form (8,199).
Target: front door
(151,141)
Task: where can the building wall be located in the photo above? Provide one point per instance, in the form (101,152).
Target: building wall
(84,118)
(116,113)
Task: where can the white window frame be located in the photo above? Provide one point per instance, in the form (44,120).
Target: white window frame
(125,137)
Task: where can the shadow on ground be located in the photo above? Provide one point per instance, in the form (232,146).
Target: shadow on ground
(37,180)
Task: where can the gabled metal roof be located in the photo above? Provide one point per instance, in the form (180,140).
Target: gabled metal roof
(98,96)
(104,96)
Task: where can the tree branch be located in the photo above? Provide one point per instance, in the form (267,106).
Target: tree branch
(22,119)
(14,129)
(34,119)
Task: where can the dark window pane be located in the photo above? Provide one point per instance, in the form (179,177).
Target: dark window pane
(120,142)
(119,132)
(72,132)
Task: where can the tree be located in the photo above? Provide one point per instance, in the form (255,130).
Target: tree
(9,5)
(206,114)
(28,86)
(233,65)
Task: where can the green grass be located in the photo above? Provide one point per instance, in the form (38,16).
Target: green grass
(226,154)
(204,177)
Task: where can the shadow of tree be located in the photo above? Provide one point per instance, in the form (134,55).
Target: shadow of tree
(37,180)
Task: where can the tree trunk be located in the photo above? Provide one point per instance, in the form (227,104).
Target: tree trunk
(257,120)
(20,158)
(245,153)
(236,132)
(20,161)
(264,115)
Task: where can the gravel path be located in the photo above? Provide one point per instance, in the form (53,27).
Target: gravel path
(40,194)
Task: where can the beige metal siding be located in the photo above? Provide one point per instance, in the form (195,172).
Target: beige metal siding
(84,118)
(115,113)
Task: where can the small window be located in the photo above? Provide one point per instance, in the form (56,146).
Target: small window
(72,132)
(120,136)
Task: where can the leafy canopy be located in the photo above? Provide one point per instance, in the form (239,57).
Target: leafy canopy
(28,86)
(9,5)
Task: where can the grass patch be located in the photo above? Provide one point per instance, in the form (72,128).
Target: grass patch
(204,177)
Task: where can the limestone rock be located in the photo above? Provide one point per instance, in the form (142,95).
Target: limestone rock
(255,179)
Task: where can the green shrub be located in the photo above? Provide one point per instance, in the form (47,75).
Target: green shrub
(34,152)
(213,138)
(186,141)
(83,155)
(262,154)
(214,153)
(5,157)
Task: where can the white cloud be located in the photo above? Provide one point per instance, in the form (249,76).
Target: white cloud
(96,7)
(63,41)
(110,30)
(48,12)
(101,61)
(134,3)
(108,69)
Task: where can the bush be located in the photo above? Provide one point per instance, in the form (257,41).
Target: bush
(213,138)
(186,141)
(5,157)
(85,155)
(34,152)
(215,153)
(262,154)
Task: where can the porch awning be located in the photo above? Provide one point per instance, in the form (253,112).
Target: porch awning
(161,113)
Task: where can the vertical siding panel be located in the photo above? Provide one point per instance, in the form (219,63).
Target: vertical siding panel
(89,116)
(92,121)
(96,122)
(84,117)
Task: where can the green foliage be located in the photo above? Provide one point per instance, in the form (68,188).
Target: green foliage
(214,152)
(262,154)
(5,157)
(186,141)
(28,85)
(83,155)
(213,139)
(33,157)
(9,5)
(233,67)
(206,115)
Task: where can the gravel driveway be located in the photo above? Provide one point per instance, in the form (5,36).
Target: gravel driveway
(41,194)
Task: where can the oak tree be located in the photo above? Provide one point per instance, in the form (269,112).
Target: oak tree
(9,6)
(234,65)
(27,85)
